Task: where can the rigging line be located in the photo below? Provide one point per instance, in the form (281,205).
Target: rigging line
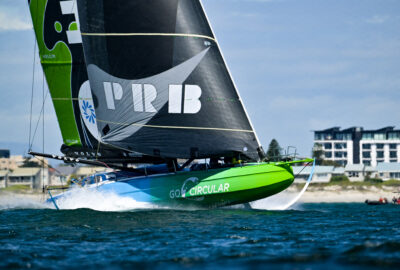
(34,22)
(148,34)
(37,124)
(43,128)
(48,166)
(302,170)
(33,85)
(177,127)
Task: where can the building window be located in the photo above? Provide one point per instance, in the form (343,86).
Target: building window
(328,136)
(394,175)
(338,154)
(393,146)
(328,154)
(347,137)
(379,136)
(367,136)
(367,162)
(379,154)
(393,160)
(327,145)
(379,146)
(393,154)
(367,146)
(353,174)
(380,160)
(317,137)
(342,162)
(394,136)
(339,136)
(366,154)
(340,145)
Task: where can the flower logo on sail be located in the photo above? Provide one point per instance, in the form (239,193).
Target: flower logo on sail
(88,112)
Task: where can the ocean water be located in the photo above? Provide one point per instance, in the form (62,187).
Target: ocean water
(310,236)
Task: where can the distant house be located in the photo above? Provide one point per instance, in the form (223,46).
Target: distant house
(35,178)
(388,171)
(3,178)
(84,171)
(60,174)
(355,172)
(322,174)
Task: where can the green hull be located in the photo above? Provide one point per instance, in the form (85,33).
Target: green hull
(222,187)
(204,189)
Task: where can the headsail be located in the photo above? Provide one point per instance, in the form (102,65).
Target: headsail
(56,26)
(159,80)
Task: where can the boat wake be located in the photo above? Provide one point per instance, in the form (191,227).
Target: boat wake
(16,201)
(100,201)
(76,199)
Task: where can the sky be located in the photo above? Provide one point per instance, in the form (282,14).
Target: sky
(299,65)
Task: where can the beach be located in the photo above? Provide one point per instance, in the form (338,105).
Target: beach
(315,193)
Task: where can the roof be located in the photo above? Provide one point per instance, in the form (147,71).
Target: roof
(64,170)
(24,172)
(370,169)
(328,130)
(318,169)
(354,167)
(388,167)
(88,170)
(338,170)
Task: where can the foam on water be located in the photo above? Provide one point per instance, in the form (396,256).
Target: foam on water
(13,201)
(100,201)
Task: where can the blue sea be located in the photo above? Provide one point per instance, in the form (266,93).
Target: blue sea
(310,236)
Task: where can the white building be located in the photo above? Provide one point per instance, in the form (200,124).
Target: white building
(35,178)
(387,171)
(358,146)
(3,178)
(322,174)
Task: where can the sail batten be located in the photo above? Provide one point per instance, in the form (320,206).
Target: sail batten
(177,127)
(149,34)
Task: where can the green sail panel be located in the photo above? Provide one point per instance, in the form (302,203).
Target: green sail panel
(56,60)
(56,25)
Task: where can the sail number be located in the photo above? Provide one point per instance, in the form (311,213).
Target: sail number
(145,95)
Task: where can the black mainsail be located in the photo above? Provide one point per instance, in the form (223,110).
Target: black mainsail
(159,82)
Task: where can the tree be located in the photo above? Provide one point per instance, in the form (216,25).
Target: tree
(29,163)
(274,151)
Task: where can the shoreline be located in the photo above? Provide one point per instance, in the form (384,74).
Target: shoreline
(314,194)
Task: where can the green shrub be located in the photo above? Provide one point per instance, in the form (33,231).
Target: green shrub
(373,180)
(339,178)
(392,182)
